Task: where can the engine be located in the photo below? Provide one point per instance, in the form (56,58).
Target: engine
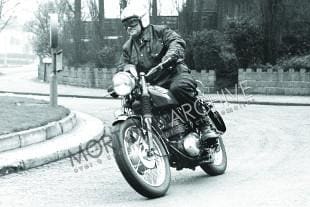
(179,134)
(173,129)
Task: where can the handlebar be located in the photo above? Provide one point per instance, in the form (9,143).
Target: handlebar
(160,66)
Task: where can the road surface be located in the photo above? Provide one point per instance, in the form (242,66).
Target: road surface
(268,150)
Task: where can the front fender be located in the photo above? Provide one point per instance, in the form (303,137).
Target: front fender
(124,117)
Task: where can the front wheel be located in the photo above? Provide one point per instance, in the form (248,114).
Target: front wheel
(148,175)
(219,165)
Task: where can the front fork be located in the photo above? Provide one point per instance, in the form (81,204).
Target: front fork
(147,114)
(149,133)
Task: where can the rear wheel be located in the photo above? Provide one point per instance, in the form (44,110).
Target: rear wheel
(219,165)
(148,175)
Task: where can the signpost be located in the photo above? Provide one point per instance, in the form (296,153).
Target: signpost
(54,44)
(59,66)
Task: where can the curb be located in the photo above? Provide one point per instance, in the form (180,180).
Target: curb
(39,134)
(87,128)
(265,103)
(60,95)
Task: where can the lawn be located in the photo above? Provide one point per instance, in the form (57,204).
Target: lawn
(19,113)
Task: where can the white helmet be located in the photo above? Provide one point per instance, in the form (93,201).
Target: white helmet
(139,11)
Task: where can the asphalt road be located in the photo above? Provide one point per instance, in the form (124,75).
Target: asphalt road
(268,151)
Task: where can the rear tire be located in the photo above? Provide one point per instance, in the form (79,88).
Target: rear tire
(218,167)
(131,172)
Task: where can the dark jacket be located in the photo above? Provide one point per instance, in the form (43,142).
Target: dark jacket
(156,44)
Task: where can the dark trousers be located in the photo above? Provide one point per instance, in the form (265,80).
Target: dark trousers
(183,87)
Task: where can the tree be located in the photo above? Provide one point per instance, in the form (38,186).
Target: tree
(186,18)
(6,13)
(97,16)
(154,12)
(295,28)
(77,30)
(272,25)
(101,18)
(220,5)
(101,11)
(39,26)
(198,14)
(122,4)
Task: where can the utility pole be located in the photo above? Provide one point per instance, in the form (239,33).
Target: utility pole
(54,44)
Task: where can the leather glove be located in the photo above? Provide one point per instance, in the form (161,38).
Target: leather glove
(172,60)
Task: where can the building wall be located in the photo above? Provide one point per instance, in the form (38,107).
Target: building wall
(276,81)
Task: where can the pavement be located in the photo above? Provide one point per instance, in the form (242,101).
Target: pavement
(23,80)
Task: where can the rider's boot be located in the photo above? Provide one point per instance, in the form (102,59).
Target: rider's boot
(207,132)
(204,124)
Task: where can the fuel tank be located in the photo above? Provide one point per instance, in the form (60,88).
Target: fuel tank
(162,97)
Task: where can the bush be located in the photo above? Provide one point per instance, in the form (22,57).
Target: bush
(247,39)
(209,50)
(295,44)
(206,48)
(189,60)
(106,57)
(227,76)
(295,62)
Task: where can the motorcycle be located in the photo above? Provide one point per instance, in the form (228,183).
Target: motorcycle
(153,134)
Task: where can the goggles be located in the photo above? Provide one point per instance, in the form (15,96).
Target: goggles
(132,22)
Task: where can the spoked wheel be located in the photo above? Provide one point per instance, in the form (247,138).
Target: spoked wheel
(148,174)
(219,165)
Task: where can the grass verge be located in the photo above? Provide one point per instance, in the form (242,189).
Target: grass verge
(19,113)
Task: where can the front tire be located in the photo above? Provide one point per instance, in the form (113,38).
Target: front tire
(129,147)
(218,167)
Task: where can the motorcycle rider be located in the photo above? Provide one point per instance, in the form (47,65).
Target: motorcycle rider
(147,46)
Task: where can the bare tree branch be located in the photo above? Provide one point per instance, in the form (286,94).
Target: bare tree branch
(70,6)
(6,13)
(93,10)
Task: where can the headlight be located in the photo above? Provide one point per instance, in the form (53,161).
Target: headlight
(123,83)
